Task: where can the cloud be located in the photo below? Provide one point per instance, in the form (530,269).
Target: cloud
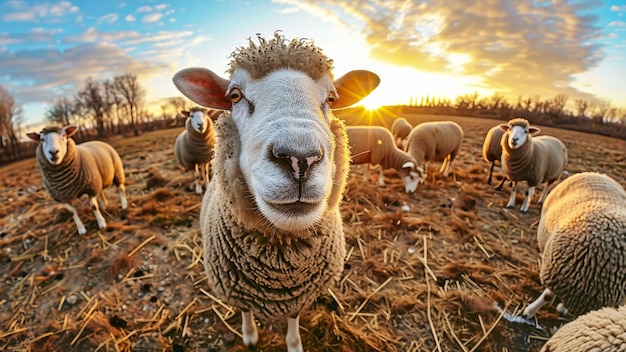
(45,74)
(130,18)
(108,18)
(144,9)
(151,18)
(36,35)
(26,11)
(517,47)
(93,35)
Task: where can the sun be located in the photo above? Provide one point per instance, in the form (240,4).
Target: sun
(371,103)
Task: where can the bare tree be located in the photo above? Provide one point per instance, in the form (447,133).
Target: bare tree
(555,105)
(581,107)
(132,94)
(60,111)
(91,102)
(10,113)
(600,110)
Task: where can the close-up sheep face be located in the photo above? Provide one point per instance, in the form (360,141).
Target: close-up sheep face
(517,135)
(54,142)
(282,112)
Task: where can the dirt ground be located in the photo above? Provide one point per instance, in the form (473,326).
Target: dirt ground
(449,274)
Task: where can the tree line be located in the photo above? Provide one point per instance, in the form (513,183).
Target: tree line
(100,109)
(103,108)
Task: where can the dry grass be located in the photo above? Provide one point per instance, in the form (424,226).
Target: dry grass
(425,279)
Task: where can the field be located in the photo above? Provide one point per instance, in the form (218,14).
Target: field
(449,274)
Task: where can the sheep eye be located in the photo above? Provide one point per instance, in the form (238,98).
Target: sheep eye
(235,95)
(331,98)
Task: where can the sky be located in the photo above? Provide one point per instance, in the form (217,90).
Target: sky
(445,48)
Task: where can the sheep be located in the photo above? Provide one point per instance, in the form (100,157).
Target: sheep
(374,145)
(272,232)
(581,236)
(535,160)
(492,151)
(71,170)
(194,145)
(600,330)
(400,129)
(435,141)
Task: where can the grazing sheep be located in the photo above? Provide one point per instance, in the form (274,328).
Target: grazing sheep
(272,231)
(492,151)
(582,239)
(373,145)
(71,170)
(194,145)
(535,160)
(602,330)
(435,141)
(400,129)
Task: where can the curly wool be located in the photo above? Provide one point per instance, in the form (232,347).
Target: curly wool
(87,168)
(254,266)
(581,235)
(601,330)
(276,53)
(192,147)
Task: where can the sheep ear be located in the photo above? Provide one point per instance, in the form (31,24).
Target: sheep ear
(70,130)
(354,86)
(203,87)
(408,165)
(34,136)
(185,113)
(534,130)
(504,126)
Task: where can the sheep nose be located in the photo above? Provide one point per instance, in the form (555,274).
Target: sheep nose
(299,164)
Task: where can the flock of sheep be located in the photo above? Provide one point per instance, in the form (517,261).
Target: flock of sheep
(270,220)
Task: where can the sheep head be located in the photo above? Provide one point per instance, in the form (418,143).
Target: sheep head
(199,119)
(54,142)
(517,132)
(283,116)
(411,175)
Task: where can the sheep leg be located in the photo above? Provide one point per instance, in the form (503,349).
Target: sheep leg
(79,224)
(501,183)
(96,211)
(545,192)
(293,340)
(196,174)
(546,297)
(529,196)
(104,203)
(490,172)
(445,166)
(381,179)
(206,175)
(511,202)
(121,189)
(248,329)
(366,175)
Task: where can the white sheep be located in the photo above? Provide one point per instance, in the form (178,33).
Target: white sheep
(400,129)
(492,151)
(374,145)
(535,160)
(581,236)
(272,231)
(602,330)
(194,145)
(435,141)
(71,170)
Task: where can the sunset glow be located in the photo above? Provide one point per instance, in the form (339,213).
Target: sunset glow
(425,51)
